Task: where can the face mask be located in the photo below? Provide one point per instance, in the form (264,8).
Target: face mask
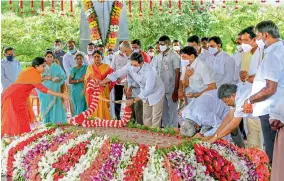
(260,43)
(176,48)
(163,48)
(110,56)
(246,47)
(213,50)
(57,47)
(135,69)
(184,62)
(137,50)
(151,54)
(10,58)
(73,51)
(90,52)
(239,48)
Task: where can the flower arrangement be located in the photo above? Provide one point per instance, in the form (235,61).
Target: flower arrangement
(113,28)
(114,24)
(91,16)
(68,154)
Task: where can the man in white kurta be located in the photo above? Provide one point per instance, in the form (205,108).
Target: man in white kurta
(209,111)
(201,79)
(221,62)
(167,65)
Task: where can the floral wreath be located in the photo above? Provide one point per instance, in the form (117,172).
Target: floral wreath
(93,90)
(113,28)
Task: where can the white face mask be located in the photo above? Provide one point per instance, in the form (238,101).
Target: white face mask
(176,48)
(163,48)
(90,52)
(260,43)
(246,47)
(135,69)
(137,50)
(57,47)
(110,56)
(239,48)
(213,50)
(151,54)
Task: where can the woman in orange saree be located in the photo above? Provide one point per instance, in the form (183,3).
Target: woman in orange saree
(16,115)
(100,71)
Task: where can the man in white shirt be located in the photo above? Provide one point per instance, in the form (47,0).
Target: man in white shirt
(221,62)
(234,96)
(249,66)
(90,50)
(108,59)
(268,85)
(119,61)
(195,42)
(208,112)
(152,90)
(167,65)
(238,59)
(69,62)
(200,80)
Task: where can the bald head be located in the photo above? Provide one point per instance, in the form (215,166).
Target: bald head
(188,128)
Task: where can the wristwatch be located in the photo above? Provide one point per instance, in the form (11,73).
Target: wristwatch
(216,135)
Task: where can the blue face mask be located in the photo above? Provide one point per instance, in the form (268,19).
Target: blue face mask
(73,51)
(10,58)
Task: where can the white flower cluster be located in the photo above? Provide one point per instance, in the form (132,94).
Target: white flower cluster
(125,160)
(85,161)
(5,152)
(45,164)
(155,169)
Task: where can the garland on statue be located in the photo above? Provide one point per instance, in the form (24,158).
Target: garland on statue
(113,28)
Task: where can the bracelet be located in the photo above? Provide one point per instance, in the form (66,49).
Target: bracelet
(77,81)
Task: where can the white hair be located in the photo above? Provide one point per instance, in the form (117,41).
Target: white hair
(188,128)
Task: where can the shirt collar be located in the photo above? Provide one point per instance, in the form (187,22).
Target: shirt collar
(194,63)
(273,46)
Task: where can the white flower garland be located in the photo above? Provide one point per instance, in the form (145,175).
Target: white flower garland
(45,164)
(17,140)
(239,164)
(85,161)
(125,160)
(154,169)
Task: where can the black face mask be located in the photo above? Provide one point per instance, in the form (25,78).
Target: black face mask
(10,58)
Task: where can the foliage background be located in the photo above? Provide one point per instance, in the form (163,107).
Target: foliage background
(30,34)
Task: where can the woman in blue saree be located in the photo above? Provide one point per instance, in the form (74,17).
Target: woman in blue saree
(51,107)
(76,80)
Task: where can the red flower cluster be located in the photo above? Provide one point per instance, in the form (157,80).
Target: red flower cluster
(134,171)
(258,158)
(97,163)
(68,160)
(20,146)
(217,166)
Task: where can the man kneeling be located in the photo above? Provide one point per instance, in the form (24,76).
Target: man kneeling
(204,115)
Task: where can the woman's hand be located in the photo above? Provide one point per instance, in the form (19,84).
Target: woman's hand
(47,77)
(65,96)
(56,79)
